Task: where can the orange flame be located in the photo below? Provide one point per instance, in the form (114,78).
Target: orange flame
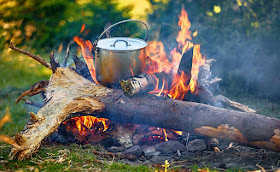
(163,70)
(198,61)
(195,34)
(83,28)
(87,47)
(88,121)
(185,25)
(158,62)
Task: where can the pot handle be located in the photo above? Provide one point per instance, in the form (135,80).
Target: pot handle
(123,21)
(119,40)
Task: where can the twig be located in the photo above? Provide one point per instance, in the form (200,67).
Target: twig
(235,105)
(28,102)
(67,52)
(35,57)
(54,63)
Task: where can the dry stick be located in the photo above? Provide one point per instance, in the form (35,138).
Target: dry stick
(235,105)
(67,53)
(32,103)
(54,63)
(35,57)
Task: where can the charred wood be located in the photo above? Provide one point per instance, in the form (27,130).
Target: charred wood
(54,63)
(81,68)
(186,62)
(69,93)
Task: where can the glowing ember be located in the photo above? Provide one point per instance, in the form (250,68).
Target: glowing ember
(88,122)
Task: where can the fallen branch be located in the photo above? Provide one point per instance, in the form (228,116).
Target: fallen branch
(235,105)
(35,57)
(36,88)
(68,94)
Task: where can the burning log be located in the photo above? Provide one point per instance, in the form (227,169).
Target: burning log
(145,81)
(68,94)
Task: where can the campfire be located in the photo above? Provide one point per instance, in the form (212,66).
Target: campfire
(167,80)
(155,97)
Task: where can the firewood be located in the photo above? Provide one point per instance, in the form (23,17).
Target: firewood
(54,63)
(144,81)
(81,68)
(36,88)
(235,105)
(67,53)
(68,94)
(136,84)
(35,57)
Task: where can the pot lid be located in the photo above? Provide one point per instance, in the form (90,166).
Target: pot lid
(121,44)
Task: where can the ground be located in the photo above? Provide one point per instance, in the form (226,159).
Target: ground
(55,157)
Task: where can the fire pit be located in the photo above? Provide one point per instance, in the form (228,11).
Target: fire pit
(166,110)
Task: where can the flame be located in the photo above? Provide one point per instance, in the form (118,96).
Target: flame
(185,25)
(158,62)
(83,28)
(197,61)
(179,86)
(88,121)
(87,47)
(195,34)
(178,132)
(162,68)
(132,74)
(165,134)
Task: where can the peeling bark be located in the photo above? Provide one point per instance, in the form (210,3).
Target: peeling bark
(68,94)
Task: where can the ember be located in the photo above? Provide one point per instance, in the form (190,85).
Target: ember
(171,82)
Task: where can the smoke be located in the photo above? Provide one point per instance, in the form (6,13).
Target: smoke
(247,64)
(246,50)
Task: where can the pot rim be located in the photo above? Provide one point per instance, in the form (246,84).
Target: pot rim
(145,44)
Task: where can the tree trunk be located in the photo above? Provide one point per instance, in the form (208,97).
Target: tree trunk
(68,94)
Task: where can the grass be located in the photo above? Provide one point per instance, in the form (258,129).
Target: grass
(65,158)
(18,73)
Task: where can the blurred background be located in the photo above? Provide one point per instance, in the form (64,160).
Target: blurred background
(243,36)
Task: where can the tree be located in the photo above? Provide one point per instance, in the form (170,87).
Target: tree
(46,24)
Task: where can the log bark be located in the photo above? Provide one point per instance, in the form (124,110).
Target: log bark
(68,94)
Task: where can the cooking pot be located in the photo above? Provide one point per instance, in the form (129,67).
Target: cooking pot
(118,58)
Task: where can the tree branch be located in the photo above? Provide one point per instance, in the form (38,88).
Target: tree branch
(35,57)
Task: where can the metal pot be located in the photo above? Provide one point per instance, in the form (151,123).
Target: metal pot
(119,57)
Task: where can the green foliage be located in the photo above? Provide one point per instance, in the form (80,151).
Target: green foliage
(46,24)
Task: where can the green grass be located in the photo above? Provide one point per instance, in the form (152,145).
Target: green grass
(18,73)
(263,106)
(66,158)
(19,70)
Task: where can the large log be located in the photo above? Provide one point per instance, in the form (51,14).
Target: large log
(68,94)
